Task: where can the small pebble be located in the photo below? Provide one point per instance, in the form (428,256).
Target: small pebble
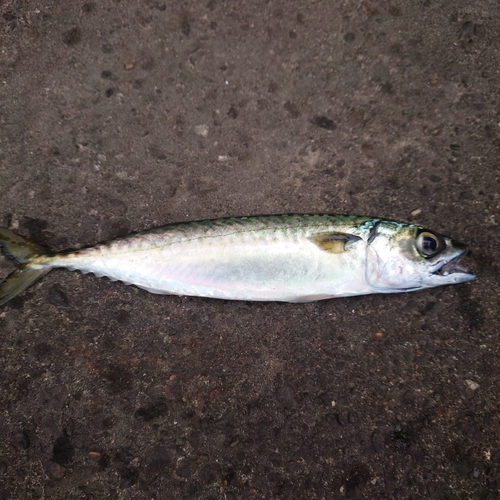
(129,66)
(201,130)
(416,212)
(472,385)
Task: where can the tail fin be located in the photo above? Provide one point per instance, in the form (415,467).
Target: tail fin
(24,252)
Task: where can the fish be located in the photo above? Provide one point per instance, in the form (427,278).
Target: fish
(286,258)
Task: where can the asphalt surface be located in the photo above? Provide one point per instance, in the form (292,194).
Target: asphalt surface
(117,116)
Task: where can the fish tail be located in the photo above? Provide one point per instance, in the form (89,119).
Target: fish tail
(32,259)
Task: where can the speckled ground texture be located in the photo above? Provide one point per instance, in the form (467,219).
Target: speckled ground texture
(117,116)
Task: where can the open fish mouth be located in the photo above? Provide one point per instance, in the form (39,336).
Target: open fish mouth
(452,266)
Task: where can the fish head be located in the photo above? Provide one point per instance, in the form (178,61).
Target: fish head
(405,257)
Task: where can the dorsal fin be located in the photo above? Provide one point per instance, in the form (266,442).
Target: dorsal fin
(334,242)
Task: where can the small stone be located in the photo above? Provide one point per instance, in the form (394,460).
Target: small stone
(129,66)
(201,130)
(472,385)
(416,212)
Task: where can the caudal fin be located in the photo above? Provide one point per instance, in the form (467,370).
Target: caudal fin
(31,268)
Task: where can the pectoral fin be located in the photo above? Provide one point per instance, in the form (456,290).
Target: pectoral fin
(334,242)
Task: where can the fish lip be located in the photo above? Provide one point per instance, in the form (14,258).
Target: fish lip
(451,266)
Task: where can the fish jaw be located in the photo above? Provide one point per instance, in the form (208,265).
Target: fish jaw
(449,271)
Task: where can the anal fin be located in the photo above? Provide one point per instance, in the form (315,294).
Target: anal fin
(311,298)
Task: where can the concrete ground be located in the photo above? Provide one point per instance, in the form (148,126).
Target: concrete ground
(117,116)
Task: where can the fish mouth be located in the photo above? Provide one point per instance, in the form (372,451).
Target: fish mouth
(453,266)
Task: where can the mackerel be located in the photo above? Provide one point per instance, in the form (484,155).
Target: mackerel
(290,258)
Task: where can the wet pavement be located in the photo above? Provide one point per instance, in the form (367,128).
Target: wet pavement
(117,116)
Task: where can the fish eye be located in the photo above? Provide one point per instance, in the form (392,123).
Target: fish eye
(430,244)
